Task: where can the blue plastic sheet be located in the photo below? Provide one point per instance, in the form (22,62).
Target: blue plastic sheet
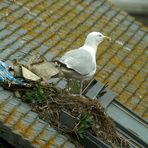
(5,75)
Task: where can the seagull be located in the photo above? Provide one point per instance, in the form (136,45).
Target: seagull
(80,64)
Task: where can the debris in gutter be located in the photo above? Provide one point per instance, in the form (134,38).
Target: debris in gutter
(88,140)
(18,75)
(102,91)
(5,75)
(52,103)
(41,67)
(68,120)
(44,70)
(28,75)
(86,115)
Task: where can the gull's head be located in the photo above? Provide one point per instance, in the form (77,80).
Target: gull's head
(95,38)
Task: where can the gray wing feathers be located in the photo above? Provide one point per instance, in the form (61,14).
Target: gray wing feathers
(79,60)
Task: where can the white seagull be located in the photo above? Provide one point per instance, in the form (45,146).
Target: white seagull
(80,63)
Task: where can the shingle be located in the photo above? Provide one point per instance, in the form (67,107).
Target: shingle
(4,34)
(3,25)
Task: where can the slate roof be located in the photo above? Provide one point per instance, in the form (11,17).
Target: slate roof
(53,27)
(22,128)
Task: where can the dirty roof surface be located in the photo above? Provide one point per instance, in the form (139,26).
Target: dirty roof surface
(53,27)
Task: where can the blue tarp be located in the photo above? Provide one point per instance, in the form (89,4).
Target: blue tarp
(5,75)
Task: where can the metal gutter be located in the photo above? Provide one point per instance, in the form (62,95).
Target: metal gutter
(127,121)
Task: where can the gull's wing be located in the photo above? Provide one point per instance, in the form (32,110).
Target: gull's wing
(79,60)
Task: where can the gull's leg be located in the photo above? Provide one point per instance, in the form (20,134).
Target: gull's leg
(81,87)
(68,86)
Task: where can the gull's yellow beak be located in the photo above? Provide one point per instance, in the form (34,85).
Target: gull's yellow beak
(107,38)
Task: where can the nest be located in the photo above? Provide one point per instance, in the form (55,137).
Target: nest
(51,101)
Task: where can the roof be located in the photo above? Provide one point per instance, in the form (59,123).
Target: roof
(53,27)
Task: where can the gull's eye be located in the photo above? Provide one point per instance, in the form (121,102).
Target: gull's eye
(100,35)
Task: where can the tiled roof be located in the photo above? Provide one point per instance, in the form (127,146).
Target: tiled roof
(53,27)
(22,128)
